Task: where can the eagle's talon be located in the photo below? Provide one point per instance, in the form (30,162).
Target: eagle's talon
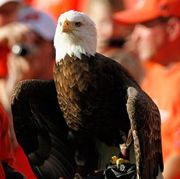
(119,161)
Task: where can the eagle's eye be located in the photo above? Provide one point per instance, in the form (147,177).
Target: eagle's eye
(60,23)
(78,24)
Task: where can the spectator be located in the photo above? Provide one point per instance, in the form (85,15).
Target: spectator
(109,42)
(8,14)
(156,40)
(32,50)
(101,13)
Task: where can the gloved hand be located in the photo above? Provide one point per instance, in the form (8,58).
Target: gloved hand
(113,171)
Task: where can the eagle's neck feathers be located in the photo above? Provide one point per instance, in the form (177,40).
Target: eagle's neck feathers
(74,49)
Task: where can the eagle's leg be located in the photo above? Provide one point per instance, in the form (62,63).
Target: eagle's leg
(124,148)
(124,151)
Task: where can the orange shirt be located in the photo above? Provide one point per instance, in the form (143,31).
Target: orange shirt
(3,61)
(163,86)
(16,158)
(5,148)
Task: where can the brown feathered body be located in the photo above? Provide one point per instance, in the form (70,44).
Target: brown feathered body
(95,96)
(91,97)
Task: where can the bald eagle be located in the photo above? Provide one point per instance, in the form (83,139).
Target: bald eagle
(100,100)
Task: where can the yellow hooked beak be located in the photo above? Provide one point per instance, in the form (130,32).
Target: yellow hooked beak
(66,26)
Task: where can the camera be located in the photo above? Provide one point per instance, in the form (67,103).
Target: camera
(22,50)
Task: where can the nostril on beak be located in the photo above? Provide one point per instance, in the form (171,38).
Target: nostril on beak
(66,26)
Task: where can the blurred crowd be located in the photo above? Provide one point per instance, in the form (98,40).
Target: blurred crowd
(142,35)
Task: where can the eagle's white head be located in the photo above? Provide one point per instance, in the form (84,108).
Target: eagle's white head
(75,35)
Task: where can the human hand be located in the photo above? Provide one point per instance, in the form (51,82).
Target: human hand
(14,32)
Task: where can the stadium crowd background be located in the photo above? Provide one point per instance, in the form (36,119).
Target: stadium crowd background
(147,45)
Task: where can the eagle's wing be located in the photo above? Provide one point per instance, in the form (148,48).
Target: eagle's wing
(41,129)
(145,127)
